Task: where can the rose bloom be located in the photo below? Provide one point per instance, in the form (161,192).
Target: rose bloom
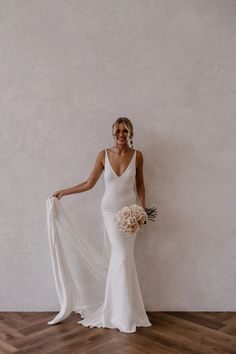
(129,219)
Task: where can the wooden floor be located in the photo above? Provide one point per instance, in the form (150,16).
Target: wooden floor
(171,332)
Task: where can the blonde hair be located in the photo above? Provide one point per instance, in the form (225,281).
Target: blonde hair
(128,125)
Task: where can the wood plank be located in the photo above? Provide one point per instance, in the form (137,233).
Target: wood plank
(170,333)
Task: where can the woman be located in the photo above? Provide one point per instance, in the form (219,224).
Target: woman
(117,301)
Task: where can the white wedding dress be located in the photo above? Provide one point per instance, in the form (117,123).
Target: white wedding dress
(103,288)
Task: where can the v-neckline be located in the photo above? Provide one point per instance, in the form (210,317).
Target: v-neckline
(124,170)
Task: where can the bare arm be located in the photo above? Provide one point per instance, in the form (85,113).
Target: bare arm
(89,183)
(140,179)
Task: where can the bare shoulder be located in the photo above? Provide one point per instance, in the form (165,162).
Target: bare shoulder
(139,154)
(101,157)
(139,158)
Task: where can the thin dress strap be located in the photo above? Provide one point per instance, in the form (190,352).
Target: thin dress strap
(106,155)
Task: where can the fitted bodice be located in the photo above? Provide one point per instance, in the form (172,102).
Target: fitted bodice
(120,191)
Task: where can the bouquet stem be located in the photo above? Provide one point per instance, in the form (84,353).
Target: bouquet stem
(151,213)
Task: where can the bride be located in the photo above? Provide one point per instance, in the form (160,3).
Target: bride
(103,289)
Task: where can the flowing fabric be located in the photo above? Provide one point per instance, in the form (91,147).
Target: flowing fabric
(103,288)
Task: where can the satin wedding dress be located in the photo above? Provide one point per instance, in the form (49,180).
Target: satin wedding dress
(103,288)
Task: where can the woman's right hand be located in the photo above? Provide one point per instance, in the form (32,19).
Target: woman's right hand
(58,194)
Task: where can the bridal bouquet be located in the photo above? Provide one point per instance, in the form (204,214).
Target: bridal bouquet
(130,218)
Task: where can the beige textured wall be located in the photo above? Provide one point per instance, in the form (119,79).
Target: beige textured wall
(68,69)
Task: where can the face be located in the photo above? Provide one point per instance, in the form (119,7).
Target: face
(121,134)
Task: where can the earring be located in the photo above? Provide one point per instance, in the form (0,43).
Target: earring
(131,142)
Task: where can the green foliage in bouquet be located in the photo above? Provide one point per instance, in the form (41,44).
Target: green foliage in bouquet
(151,213)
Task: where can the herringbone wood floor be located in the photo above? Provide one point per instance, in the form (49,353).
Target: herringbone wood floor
(171,333)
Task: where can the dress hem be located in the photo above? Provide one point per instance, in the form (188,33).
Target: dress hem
(113,325)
